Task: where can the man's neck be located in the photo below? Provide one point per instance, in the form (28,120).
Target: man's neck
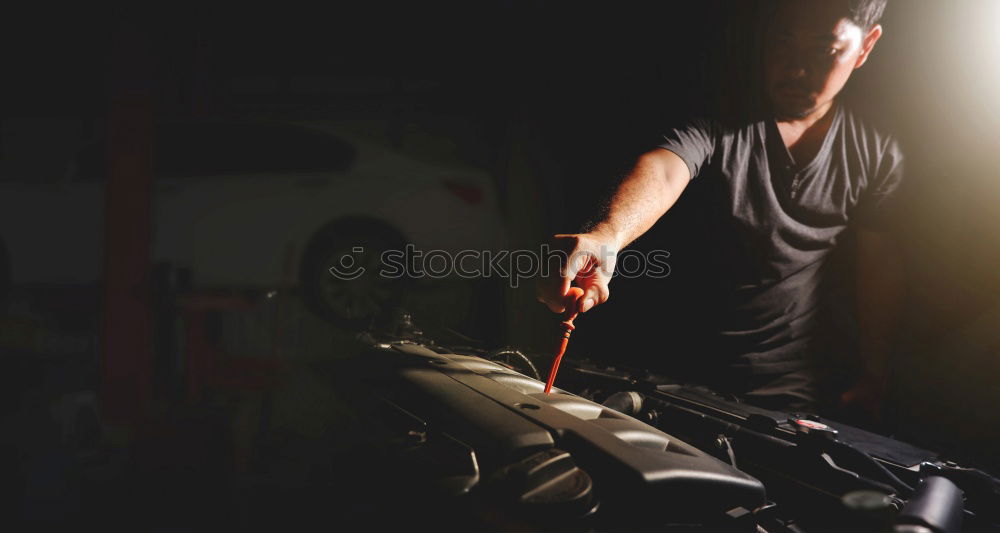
(803,136)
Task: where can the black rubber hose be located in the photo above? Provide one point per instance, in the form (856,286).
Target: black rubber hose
(901,486)
(936,504)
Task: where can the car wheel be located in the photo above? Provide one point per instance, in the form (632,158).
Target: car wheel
(333,287)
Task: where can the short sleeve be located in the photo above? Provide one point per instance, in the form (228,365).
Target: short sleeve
(693,142)
(881,197)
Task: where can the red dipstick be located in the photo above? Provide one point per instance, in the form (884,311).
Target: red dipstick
(572,296)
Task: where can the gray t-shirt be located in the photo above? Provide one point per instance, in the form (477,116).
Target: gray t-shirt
(775,222)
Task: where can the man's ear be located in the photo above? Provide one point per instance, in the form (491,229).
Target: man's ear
(868,44)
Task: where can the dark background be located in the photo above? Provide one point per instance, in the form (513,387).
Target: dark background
(550,100)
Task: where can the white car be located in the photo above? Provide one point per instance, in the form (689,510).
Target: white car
(259,205)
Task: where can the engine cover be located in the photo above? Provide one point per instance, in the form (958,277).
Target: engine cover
(556,453)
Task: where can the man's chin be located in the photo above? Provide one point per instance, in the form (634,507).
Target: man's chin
(792,112)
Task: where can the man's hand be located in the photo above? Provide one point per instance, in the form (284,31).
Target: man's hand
(588,259)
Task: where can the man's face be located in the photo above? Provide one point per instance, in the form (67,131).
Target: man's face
(811,50)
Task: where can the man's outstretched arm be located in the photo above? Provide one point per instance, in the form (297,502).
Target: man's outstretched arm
(647,192)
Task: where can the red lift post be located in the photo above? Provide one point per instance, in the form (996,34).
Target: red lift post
(126,337)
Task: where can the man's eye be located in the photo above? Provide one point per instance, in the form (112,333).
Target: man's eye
(826,52)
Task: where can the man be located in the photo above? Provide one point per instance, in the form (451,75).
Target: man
(784,188)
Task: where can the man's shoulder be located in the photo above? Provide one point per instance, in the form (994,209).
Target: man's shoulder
(868,131)
(725,130)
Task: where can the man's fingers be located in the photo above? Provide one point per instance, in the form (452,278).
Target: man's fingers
(594,281)
(586,262)
(594,293)
(546,293)
(595,286)
(553,289)
(573,297)
(564,293)
(575,263)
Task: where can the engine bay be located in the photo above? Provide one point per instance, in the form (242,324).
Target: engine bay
(466,439)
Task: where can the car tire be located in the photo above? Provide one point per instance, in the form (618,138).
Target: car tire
(350,302)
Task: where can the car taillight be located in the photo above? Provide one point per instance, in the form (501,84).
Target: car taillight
(469,194)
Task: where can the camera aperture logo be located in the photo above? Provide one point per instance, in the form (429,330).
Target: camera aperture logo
(512,265)
(349,267)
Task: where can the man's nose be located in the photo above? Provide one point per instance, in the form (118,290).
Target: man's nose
(796,69)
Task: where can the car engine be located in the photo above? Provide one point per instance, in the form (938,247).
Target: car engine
(466,439)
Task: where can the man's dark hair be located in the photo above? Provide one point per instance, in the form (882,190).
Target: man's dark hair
(866,13)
